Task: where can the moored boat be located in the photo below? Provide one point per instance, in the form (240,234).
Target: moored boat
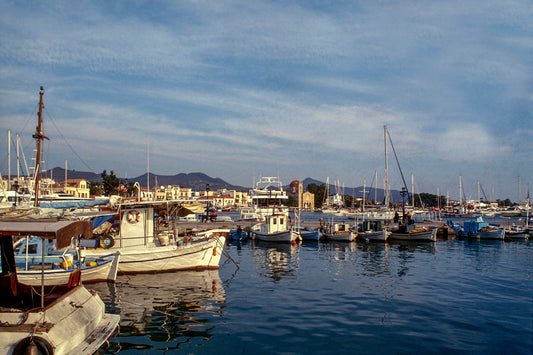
(413,233)
(267,198)
(477,228)
(58,265)
(372,231)
(308,234)
(64,320)
(339,232)
(274,229)
(147,238)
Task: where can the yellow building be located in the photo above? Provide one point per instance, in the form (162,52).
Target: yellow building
(77,188)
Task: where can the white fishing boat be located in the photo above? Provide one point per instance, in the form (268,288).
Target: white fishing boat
(49,320)
(274,229)
(338,232)
(413,233)
(146,235)
(58,265)
(517,233)
(373,231)
(267,198)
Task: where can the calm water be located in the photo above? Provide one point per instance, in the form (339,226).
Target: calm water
(452,296)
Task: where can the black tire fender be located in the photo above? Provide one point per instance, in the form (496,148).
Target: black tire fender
(107,241)
(43,346)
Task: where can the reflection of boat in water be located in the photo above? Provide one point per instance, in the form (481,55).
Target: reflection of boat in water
(278,260)
(164,306)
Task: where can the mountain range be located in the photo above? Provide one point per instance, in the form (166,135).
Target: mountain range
(198,182)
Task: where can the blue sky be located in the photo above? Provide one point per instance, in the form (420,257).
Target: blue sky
(242,89)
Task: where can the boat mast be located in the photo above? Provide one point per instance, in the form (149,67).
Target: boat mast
(460,191)
(39,136)
(9,159)
(386,179)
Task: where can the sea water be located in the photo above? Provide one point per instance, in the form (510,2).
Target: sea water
(449,296)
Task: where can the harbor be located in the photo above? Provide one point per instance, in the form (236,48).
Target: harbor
(450,296)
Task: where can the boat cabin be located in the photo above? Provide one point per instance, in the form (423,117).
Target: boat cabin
(61,231)
(274,223)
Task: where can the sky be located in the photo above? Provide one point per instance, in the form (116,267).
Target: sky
(294,89)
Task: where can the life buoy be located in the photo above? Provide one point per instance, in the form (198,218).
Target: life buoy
(134,216)
(107,241)
(42,345)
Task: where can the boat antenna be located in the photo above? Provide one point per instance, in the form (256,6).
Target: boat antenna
(39,136)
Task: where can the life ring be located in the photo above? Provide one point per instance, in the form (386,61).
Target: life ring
(469,234)
(134,216)
(107,241)
(43,346)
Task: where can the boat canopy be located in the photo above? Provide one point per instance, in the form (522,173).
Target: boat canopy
(73,204)
(61,231)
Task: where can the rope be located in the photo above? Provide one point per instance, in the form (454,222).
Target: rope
(226,253)
(67,143)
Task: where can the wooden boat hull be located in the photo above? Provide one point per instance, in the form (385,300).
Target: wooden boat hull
(426,235)
(309,235)
(287,236)
(191,255)
(68,328)
(378,236)
(104,271)
(340,236)
(516,235)
(494,234)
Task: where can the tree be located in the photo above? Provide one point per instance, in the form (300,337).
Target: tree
(110,183)
(96,188)
(429,200)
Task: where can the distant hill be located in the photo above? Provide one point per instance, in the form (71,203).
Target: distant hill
(198,181)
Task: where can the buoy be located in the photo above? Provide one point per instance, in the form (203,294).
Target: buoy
(214,251)
(293,243)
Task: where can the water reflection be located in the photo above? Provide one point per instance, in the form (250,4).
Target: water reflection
(276,260)
(167,308)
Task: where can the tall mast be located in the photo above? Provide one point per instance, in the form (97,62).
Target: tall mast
(386,180)
(9,159)
(460,191)
(39,136)
(376,189)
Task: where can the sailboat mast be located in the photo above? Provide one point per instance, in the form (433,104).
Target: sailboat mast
(38,136)
(9,159)
(386,179)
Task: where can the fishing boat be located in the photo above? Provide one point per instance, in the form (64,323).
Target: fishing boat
(146,235)
(338,232)
(58,264)
(413,233)
(308,234)
(517,233)
(274,229)
(372,231)
(477,228)
(58,320)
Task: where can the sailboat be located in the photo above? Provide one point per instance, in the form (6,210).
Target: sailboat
(406,229)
